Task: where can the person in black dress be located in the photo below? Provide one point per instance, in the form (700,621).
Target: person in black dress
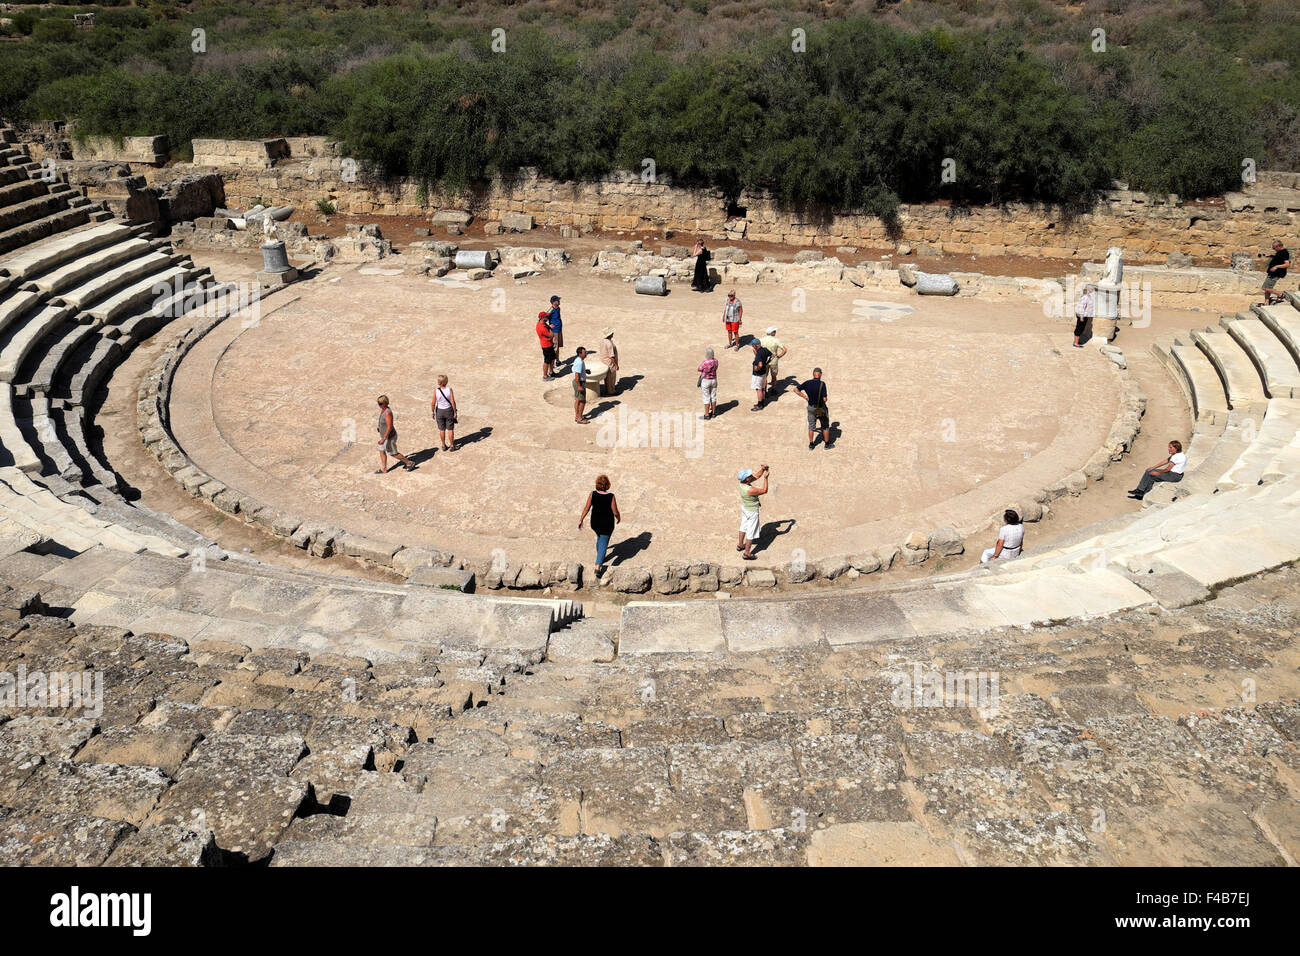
(701,282)
(604,515)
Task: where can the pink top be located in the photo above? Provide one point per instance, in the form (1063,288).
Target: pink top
(709,368)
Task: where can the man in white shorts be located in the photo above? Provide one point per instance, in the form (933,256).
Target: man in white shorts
(749,508)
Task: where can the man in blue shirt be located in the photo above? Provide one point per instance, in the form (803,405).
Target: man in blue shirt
(556,323)
(813,392)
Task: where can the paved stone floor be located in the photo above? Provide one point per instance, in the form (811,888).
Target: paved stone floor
(946,414)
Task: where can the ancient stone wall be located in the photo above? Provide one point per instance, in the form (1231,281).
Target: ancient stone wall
(302,170)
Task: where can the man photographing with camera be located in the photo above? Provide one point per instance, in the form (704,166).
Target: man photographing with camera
(1275,271)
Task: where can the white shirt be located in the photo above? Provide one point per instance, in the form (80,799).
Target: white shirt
(1179,462)
(1012,536)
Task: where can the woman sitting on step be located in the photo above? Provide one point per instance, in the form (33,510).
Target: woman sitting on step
(1171,469)
(1011,537)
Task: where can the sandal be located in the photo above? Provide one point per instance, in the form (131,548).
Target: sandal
(749,557)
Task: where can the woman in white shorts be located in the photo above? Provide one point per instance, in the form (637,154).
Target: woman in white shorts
(750,505)
(1011,537)
(709,383)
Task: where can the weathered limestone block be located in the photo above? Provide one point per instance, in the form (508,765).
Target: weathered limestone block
(832,568)
(946,542)
(631,580)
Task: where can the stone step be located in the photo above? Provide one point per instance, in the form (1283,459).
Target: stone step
(1284,322)
(1275,365)
(29,504)
(37,229)
(109,282)
(16,304)
(30,210)
(1209,400)
(15,192)
(1245,389)
(81,271)
(19,340)
(51,253)
(1279,428)
(278,610)
(61,343)
(103,358)
(141,294)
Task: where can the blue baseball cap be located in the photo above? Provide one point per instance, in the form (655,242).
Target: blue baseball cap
(744,473)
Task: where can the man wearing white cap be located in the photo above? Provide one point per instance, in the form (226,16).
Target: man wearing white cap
(749,508)
(609,355)
(773,345)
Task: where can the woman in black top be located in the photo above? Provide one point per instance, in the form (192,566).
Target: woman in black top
(701,281)
(604,515)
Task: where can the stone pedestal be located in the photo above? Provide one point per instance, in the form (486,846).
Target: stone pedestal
(276,271)
(595,375)
(1105,321)
(275,258)
(274,280)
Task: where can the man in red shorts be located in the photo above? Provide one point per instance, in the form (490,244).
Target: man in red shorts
(548,344)
(731,315)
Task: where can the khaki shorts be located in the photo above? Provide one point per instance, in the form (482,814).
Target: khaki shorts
(579,391)
(390,445)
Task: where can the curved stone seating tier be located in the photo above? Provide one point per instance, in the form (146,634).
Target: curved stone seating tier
(59,346)
(1273,362)
(1284,321)
(1244,388)
(269,606)
(69,282)
(1279,428)
(1197,378)
(23,336)
(50,254)
(18,213)
(35,507)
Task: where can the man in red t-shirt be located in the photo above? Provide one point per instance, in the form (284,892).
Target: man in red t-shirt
(548,344)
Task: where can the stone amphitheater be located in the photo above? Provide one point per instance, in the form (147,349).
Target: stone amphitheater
(1125,693)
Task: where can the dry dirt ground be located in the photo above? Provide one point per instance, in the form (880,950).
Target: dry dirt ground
(947,410)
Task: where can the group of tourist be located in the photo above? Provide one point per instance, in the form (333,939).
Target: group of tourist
(753,483)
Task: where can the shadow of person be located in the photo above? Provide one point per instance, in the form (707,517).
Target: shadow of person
(420,457)
(482,433)
(600,409)
(626,384)
(725,407)
(771,531)
(628,548)
(835,432)
(781,386)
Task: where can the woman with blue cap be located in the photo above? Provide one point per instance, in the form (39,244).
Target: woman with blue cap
(749,508)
